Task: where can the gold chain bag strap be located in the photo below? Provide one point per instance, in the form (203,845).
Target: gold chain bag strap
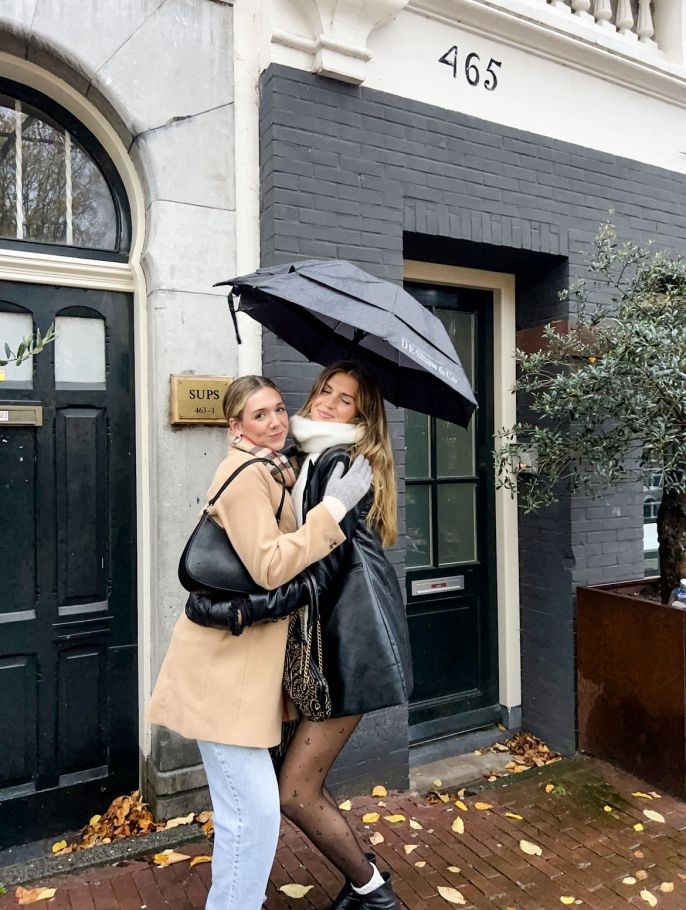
(303,673)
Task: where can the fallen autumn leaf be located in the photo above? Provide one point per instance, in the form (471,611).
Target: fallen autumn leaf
(345,806)
(370,818)
(654,816)
(530,849)
(33,895)
(294,890)
(458,826)
(452,895)
(380,790)
(394,819)
(376,838)
(648,897)
(198,860)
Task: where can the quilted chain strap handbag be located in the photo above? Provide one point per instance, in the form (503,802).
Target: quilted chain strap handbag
(303,674)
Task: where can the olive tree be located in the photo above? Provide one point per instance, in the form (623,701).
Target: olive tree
(606,393)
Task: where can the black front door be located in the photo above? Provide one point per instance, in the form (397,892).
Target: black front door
(450,518)
(68,664)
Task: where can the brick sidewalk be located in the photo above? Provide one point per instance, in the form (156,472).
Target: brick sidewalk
(586,852)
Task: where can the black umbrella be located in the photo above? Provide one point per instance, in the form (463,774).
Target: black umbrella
(331,310)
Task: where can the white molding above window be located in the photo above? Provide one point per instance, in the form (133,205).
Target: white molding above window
(545,32)
(66,271)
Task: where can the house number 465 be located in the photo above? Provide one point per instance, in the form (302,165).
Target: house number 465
(473,69)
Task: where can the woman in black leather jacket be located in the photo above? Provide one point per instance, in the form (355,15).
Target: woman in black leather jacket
(366,651)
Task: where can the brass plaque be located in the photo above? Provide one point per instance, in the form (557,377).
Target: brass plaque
(198,399)
(20,414)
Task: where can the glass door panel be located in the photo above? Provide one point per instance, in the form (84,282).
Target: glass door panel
(456,523)
(418,526)
(418,446)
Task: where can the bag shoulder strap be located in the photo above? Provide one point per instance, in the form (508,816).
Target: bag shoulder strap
(235,474)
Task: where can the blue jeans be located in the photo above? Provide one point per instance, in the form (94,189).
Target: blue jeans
(245,799)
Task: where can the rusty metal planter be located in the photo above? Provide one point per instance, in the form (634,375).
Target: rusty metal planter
(631,666)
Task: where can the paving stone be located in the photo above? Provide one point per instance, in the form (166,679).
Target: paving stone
(586,852)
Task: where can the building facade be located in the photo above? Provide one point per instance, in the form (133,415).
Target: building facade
(467,148)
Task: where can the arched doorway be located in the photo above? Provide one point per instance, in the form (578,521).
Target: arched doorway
(68,620)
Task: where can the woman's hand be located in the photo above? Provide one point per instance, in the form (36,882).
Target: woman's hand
(351,487)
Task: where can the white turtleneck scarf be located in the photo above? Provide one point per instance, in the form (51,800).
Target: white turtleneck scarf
(314,437)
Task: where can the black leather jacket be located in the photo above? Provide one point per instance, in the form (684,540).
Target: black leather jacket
(367,660)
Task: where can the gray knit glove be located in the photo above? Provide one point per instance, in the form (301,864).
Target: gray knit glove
(351,487)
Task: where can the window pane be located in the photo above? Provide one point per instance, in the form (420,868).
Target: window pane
(14,327)
(43,176)
(460,327)
(79,350)
(94,215)
(456,523)
(8,168)
(417,445)
(418,524)
(454,450)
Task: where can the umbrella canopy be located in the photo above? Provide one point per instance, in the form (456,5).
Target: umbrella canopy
(331,310)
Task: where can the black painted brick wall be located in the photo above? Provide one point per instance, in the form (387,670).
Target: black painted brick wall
(359,174)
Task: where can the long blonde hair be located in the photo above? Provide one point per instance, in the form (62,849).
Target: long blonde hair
(375,445)
(239,391)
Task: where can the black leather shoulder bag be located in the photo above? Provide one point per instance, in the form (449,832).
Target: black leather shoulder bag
(209,565)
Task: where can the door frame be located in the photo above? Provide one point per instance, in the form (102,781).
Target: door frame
(502,286)
(127,277)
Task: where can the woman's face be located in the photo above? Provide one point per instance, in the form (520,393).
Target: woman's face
(264,421)
(336,401)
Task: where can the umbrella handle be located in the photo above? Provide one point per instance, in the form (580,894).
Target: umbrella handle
(232,309)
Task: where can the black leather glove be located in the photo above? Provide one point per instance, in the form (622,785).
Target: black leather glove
(218,614)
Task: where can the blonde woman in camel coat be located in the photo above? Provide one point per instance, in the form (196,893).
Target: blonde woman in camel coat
(223,690)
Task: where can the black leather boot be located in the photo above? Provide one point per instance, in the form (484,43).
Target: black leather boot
(382,898)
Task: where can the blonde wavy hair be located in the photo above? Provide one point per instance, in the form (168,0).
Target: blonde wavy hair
(239,391)
(375,445)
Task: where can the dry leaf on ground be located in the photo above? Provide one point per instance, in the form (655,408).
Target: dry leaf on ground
(641,875)
(204,816)
(458,826)
(454,869)
(438,782)
(461,805)
(33,895)
(420,864)
(370,818)
(549,788)
(415,824)
(408,848)
(59,846)
(482,807)
(655,795)
(519,818)
(638,827)
(567,899)
(452,895)
(168,858)
(628,880)
(394,819)
(682,877)
(667,887)
(607,808)
(642,795)
(376,838)
(444,798)
(345,806)
(294,890)
(180,820)
(530,849)
(654,816)
(638,854)
(198,860)
(649,898)
(380,790)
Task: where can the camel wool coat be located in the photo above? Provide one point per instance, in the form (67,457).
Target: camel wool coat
(228,689)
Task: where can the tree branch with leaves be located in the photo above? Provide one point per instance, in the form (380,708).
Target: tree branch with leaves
(607,394)
(32,344)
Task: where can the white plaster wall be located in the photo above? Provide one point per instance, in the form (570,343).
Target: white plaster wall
(162,72)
